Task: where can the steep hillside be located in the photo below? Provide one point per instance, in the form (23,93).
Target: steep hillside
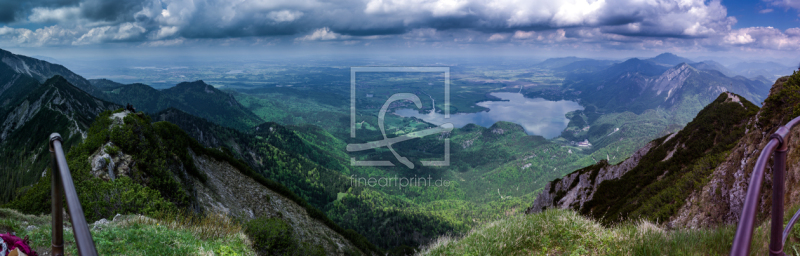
(277,153)
(43,70)
(196,98)
(28,119)
(129,165)
(654,182)
(720,200)
(311,163)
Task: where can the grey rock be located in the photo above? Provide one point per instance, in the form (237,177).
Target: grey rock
(585,189)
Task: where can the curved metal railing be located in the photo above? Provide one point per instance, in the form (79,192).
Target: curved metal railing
(62,182)
(744,231)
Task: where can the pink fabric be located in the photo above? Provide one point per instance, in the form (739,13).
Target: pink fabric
(14,242)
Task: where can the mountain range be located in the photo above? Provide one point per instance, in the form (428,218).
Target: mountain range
(115,154)
(32,112)
(661,127)
(196,98)
(42,70)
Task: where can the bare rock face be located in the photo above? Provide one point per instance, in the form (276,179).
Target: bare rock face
(672,79)
(109,167)
(228,191)
(577,188)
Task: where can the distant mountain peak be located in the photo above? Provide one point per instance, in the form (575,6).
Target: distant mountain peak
(684,66)
(669,59)
(196,98)
(42,70)
(56,79)
(667,54)
(196,85)
(632,60)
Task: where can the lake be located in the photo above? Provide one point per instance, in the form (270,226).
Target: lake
(537,116)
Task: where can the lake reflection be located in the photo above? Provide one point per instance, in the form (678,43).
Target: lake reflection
(538,116)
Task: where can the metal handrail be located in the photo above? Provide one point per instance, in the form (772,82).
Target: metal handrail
(777,145)
(62,182)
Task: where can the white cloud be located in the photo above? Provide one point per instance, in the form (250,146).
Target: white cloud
(646,24)
(5,30)
(165,32)
(785,3)
(739,37)
(573,13)
(496,37)
(51,35)
(45,15)
(124,32)
(436,8)
(523,34)
(793,32)
(320,34)
(765,11)
(284,15)
(766,38)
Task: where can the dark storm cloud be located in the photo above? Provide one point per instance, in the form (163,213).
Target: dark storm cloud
(222,18)
(16,10)
(372,31)
(611,23)
(110,10)
(8,11)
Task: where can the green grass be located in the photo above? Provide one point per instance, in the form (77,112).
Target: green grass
(561,232)
(138,235)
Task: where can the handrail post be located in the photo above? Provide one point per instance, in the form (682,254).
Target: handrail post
(776,230)
(57,246)
(744,230)
(778,172)
(80,229)
(777,147)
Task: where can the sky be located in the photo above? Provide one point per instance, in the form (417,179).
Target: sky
(590,28)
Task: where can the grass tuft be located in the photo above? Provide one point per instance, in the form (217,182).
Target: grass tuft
(181,234)
(561,232)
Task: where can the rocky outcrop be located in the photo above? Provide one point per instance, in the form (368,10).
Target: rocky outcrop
(720,201)
(672,79)
(110,165)
(577,188)
(653,183)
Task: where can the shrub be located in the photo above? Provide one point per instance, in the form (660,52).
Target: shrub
(112,150)
(270,236)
